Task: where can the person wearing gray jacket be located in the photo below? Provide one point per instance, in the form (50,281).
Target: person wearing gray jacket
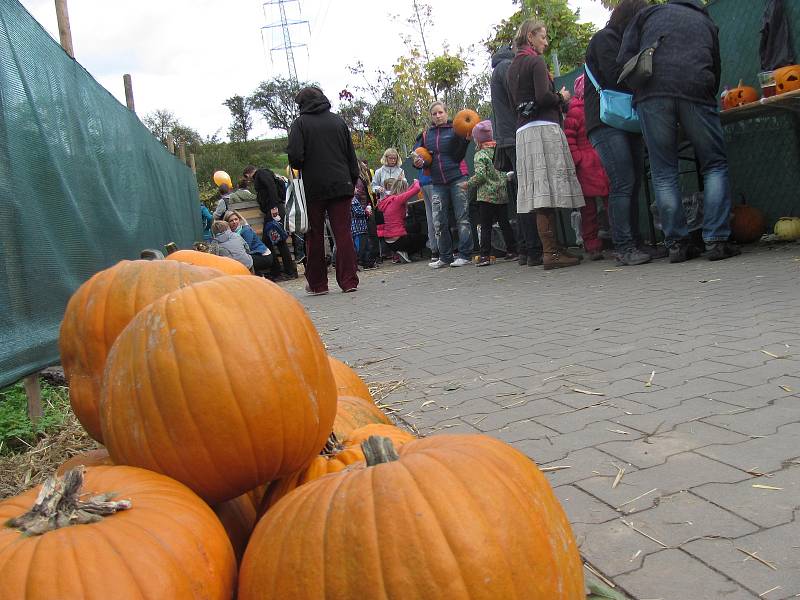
(231,244)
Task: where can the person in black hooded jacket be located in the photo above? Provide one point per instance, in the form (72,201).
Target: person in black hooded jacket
(321,148)
(682,91)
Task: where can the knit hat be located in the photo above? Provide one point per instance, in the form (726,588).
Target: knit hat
(580,82)
(482,132)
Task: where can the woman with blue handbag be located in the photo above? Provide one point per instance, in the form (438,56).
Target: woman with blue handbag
(621,151)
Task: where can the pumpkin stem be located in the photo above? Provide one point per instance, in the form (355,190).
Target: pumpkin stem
(378,450)
(58,505)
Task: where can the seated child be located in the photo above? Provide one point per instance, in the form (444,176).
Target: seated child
(393,229)
(231,244)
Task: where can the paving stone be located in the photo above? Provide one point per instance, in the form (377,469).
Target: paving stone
(572,421)
(582,508)
(765,420)
(673,574)
(612,547)
(655,449)
(685,516)
(583,464)
(680,472)
(765,507)
(673,396)
(777,546)
(765,454)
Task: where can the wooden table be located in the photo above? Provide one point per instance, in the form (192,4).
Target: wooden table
(766,107)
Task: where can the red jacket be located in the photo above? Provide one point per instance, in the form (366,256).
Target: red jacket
(591,175)
(394,213)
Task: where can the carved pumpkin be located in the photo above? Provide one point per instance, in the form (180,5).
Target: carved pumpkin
(453,516)
(336,456)
(99,310)
(423,153)
(348,383)
(464,122)
(223,385)
(205,259)
(787,79)
(354,413)
(164,542)
(238,517)
(788,228)
(748,224)
(90,458)
(739,96)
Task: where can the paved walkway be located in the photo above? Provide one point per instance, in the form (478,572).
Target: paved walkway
(672,393)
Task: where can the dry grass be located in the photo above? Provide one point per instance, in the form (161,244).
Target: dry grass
(25,470)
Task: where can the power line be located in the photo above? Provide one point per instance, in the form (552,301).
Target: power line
(285,24)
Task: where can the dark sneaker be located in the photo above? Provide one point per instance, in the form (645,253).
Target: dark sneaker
(483,261)
(683,251)
(510,256)
(722,250)
(535,261)
(655,252)
(633,257)
(522,259)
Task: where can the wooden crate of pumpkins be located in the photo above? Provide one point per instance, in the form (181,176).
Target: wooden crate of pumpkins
(241,460)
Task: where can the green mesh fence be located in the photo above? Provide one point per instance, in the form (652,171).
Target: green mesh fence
(84,185)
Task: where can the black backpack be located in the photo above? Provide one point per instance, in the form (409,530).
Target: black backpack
(280,188)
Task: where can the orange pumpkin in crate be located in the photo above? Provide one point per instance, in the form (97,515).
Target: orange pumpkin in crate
(464,122)
(739,96)
(748,224)
(787,79)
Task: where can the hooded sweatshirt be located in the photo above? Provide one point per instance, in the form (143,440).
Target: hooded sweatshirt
(232,245)
(320,146)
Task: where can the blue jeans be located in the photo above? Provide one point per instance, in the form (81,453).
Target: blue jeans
(441,198)
(622,155)
(660,118)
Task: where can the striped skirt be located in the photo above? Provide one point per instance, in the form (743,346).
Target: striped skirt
(545,171)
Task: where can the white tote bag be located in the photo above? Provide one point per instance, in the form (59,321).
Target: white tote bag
(296,208)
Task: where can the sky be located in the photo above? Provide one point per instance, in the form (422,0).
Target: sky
(188,56)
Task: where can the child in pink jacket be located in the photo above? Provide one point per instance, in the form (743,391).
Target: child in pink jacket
(393,230)
(591,175)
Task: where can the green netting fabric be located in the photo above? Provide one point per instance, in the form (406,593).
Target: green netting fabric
(84,185)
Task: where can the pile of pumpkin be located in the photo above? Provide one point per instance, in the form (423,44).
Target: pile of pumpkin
(241,460)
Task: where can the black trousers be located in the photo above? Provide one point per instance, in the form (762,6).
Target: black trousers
(489,215)
(411,242)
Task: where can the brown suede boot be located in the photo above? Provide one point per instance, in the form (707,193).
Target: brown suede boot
(554,258)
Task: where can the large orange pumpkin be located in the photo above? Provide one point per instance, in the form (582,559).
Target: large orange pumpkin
(99,310)
(457,517)
(205,259)
(238,517)
(163,543)
(748,223)
(348,383)
(338,454)
(739,96)
(90,458)
(464,122)
(353,413)
(223,385)
(787,79)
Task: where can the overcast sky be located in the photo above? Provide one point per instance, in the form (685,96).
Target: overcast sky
(188,56)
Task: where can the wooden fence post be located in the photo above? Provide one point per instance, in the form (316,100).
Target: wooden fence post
(192,164)
(64,31)
(182,151)
(170,143)
(33,391)
(126,80)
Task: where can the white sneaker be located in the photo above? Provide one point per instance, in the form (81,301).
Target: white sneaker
(403,256)
(460,262)
(437,264)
